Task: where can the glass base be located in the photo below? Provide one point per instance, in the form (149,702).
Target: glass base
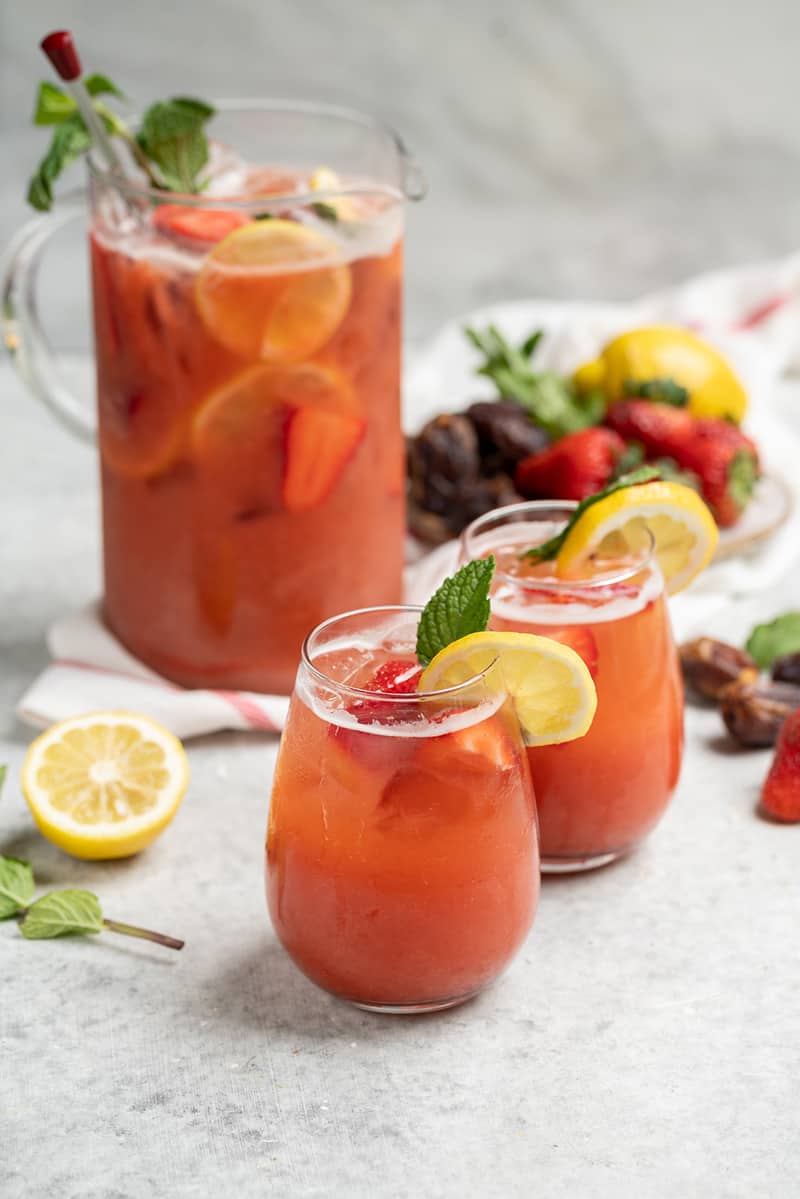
(414,1009)
(575,865)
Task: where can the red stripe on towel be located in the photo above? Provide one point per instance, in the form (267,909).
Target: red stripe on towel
(247,708)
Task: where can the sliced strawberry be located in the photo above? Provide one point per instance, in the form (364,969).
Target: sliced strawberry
(780,796)
(579,638)
(318,445)
(483,745)
(207,225)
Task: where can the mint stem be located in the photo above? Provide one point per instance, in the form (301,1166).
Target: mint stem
(131,930)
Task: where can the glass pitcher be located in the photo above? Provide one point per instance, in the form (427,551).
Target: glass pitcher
(247,346)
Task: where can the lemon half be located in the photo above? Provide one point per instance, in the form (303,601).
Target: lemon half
(104,785)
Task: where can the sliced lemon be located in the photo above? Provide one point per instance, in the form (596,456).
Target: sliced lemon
(683,531)
(104,785)
(550,685)
(274,290)
(326,180)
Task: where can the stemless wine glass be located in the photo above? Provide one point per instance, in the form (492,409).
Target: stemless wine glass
(402,854)
(247,344)
(597,797)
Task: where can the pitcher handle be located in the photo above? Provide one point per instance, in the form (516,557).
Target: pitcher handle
(23,335)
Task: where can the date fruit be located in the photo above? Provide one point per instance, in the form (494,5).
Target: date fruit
(754,712)
(787,669)
(710,666)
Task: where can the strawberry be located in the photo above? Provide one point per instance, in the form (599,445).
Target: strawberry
(780,796)
(319,443)
(197,224)
(660,429)
(725,461)
(395,677)
(576,466)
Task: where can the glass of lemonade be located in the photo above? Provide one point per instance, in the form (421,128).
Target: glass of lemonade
(402,852)
(247,347)
(597,797)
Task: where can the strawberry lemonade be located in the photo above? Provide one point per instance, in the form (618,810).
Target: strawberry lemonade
(402,857)
(598,796)
(248,368)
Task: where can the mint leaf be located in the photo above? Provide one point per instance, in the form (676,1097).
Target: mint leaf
(172,136)
(774,639)
(16,883)
(54,105)
(550,549)
(101,85)
(70,140)
(551,401)
(459,607)
(62,914)
(326,211)
(662,391)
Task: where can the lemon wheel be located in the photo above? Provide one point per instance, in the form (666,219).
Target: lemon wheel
(683,532)
(552,689)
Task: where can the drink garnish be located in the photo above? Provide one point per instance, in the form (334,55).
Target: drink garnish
(550,549)
(170,145)
(72,912)
(631,520)
(548,681)
(458,607)
(552,402)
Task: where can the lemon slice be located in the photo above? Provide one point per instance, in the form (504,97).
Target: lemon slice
(683,531)
(274,290)
(549,683)
(326,180)
(104,785)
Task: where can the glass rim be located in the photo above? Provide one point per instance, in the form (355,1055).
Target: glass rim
(383,696)
(414,184)
(557,586)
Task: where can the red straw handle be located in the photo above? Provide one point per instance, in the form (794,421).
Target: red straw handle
(60,49)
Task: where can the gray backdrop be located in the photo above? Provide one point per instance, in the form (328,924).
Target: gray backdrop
(574,148)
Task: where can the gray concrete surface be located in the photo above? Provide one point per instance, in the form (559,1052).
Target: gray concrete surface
(645,1043)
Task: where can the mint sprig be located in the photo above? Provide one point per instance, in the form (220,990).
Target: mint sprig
(172,136)
(550,549)
(170,146)
(551,401)
(459,607)
(774,639)
(72,912)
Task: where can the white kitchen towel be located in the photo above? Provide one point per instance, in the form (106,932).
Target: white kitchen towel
(753,314)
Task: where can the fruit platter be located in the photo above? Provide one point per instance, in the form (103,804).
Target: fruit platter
(658,394)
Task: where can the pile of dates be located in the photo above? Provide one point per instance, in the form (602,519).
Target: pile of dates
(753,706)
(461,464)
